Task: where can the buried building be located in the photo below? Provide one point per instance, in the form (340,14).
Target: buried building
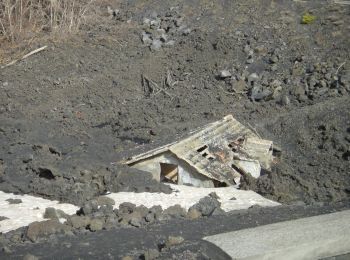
(213,156)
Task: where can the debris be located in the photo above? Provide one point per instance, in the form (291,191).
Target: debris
(253,77)
(213,156)
(14,201)
(240,86)
(193,213)
(127,207)
(173,241)
(146,21)
(52,213)
(276,92)
(151,254)
(185,197)
(186,31)
(225,74)
(150,217)
(170,43)
(160,34)
(285,101)
(111,12)
(250,60)
(39,229)
(96,225)
(135,219)
(155,23)
(258,93)
(156,211)
(156,45)
(79,222)
(299,92)
(274,59)
(175,211)
(217,212)
(163,31)
(152,87)
(169,81)
(89,207)
(146,38)
(214,195)
(206,206)
(103,200)
(247,50)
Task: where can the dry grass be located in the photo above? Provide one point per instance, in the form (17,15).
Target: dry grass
(20,19)
(23,23)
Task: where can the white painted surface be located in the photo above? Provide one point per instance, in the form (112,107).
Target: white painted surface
(186,175)
(250,166)
(186,196)
(31,209)
(302,239)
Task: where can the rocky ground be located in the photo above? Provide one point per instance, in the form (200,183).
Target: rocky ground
(151,71)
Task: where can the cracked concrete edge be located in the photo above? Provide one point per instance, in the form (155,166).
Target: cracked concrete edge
(307,238)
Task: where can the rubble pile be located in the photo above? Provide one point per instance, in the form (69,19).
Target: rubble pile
(163,31)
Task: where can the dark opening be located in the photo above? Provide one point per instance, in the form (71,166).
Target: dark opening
(169,173)
(46,173)
(201,149)
(276,151)
(240,171)
(238,142)
(54,151)
(219,184)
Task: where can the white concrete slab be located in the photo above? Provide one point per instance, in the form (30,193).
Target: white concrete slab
(31,209)
(186,196)
(308,238)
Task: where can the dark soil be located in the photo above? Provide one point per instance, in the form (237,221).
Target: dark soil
(70,113)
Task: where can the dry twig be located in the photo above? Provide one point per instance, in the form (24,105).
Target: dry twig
(151,85)
(25,56)
(341,65)
(169,81)
(254,130)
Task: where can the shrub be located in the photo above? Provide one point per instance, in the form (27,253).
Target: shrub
(308,18)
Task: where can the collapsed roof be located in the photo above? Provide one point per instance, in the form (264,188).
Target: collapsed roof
(214,155)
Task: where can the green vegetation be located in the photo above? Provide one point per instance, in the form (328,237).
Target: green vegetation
(308,18)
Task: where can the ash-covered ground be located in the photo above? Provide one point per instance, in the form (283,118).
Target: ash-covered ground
(154,70)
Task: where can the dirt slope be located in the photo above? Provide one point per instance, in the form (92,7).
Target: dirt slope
(153,71)
(82,104)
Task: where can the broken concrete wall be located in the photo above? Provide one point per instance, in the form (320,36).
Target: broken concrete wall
(184,175)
